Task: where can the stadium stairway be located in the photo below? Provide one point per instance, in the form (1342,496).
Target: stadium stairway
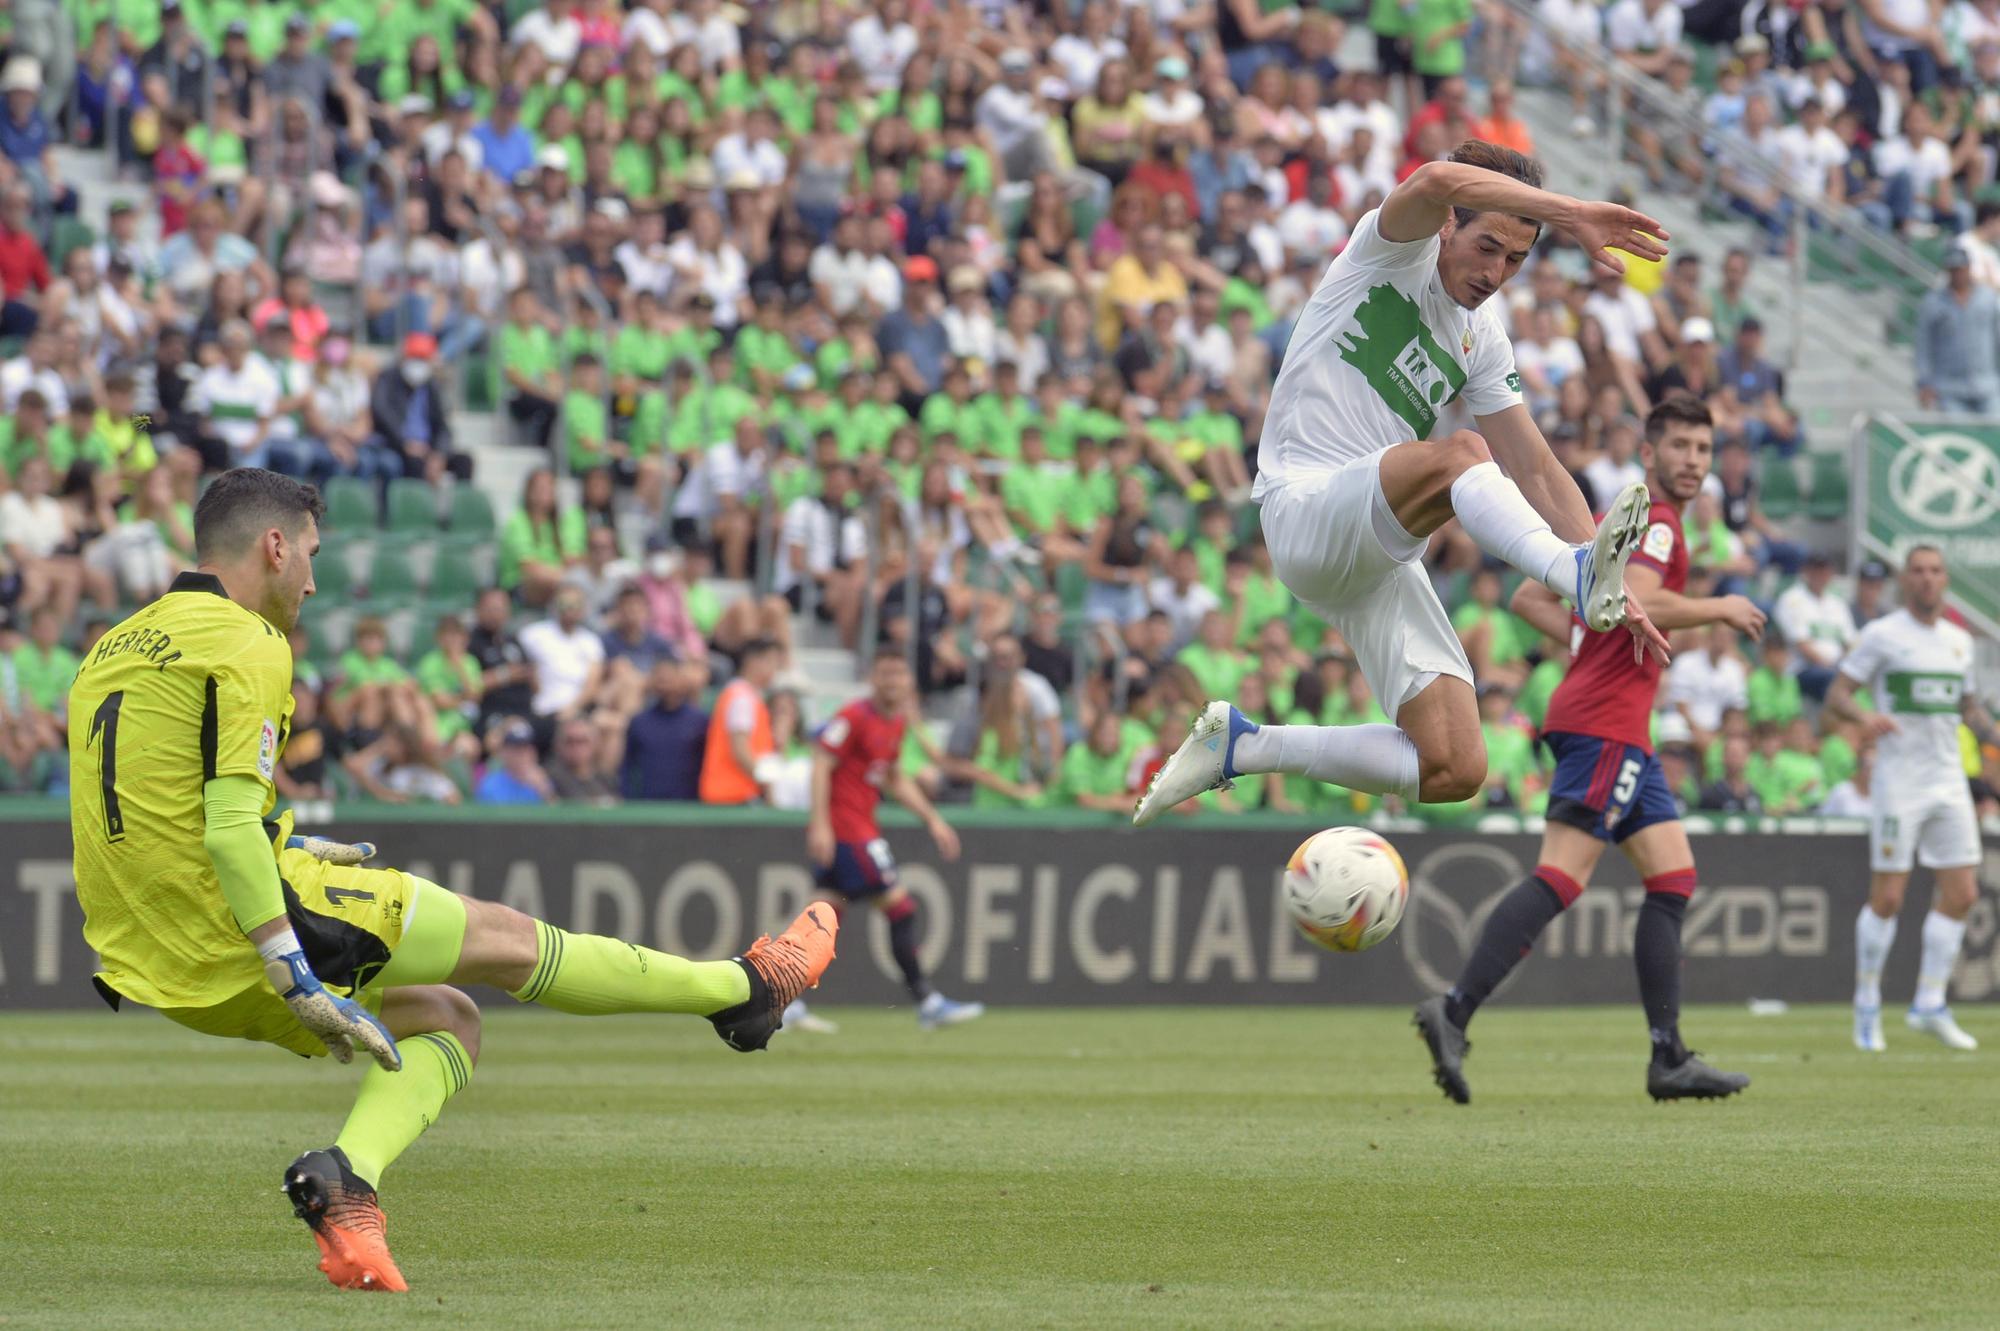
(1846,362)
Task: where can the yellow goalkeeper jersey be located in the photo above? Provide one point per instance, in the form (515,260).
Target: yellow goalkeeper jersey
(190,688)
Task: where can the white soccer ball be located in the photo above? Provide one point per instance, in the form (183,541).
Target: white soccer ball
(1346,888)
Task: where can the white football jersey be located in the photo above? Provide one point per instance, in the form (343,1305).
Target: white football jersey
(1920,674)
(1381,355)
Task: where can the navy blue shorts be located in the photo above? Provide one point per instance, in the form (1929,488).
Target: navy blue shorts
(1605,788)
(860,869)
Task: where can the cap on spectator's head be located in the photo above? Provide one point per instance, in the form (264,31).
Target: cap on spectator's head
(22,74)
(1493,686)
(419,346)
(699,175)
(1872,570)
(1171,67)
(1957,256)
(1818,559)
(798,378)
(414,104)
(326,190)
(278,322)
(1674,731)
(742,178)
(955,160)
(701,300)
(298,22)
(121,206)
(526,178)
(1014,60)
(462,100)
(237,28)
(1680,55)
(553,157)
(613,209)
(170,8)
(518,732)
(965,278)
(510,96)
(344,30)
(1750,324)
(1697,329)
(922,268)
(1753,43)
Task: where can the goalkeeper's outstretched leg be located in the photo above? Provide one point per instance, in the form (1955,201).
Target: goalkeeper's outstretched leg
(442,940)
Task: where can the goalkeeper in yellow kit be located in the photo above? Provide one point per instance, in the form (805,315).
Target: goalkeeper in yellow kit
(235,927)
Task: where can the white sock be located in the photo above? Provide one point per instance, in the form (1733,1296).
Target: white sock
(1942,935)
(1379,759)
(1873,937)
(1497,516)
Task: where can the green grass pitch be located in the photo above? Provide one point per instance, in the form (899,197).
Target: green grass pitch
(1166,1167)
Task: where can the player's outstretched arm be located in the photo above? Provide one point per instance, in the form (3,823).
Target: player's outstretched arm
(1671,610)
(1418,207)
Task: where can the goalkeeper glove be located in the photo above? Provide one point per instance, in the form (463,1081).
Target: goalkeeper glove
(332,852)
(340,1023)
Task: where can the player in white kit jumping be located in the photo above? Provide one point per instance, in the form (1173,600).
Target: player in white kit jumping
(1919,666)
(1363,457)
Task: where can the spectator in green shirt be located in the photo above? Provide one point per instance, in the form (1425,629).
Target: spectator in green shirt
(1003,413)
(1786,780)
(453,682)
(1218,667)
(375,691)
(1773,689)
(1437,40)
(1496,640)
(998,768)
(1097,774)
(539,542)
(530,365)
(44,670)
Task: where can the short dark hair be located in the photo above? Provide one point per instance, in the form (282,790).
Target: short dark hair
(1921,548)
(1676,409)
(889,651)
(1492,157)
(757,647)
(244,503)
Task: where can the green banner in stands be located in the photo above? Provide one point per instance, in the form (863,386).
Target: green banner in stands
(1936,482)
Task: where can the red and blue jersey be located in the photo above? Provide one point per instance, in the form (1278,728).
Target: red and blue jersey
(1606,693)
(865,744)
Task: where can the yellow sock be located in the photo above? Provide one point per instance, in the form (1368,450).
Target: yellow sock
(393,1108)
(592,976)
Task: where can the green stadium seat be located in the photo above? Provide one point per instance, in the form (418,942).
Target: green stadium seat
(476,384)
(1829,488)
(333,580)
(455,577)
(1781,497)
(413,509)
(350,505)
(70,234)
(1071,585)
(392,578)
(471,517)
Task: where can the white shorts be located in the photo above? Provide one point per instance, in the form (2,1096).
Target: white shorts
(1936,829)
(1336,545)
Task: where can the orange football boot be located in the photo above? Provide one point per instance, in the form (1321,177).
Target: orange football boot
(346,1221)
(780,970)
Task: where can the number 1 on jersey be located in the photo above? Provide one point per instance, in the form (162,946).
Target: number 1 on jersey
(104,726)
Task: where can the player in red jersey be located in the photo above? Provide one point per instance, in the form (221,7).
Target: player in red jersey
(856,760)
(1608,786)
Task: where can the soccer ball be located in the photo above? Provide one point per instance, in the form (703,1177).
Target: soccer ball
(1346,888)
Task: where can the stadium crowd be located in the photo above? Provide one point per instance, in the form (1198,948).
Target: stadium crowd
(956,322)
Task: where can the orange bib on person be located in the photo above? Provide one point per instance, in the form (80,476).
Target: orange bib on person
(723,780)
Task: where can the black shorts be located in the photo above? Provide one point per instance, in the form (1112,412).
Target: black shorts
(1392,56)
(860,870)
(795,597)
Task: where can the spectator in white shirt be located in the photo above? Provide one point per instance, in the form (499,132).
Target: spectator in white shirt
(1818,625)
(1916,174)
(236,400)
(1643,33)
(824,543)
(1708,677)
(704,259)
(882,42)
(1182,596)
(1012,113)
(1813,154)
(712,33)
(34,368)
(1312,225)
(1618,465)
(1081,54)
(1631,332)
(969,329)
(567,656)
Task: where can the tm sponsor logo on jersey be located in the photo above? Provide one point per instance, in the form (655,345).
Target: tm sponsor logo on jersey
(1390,346)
